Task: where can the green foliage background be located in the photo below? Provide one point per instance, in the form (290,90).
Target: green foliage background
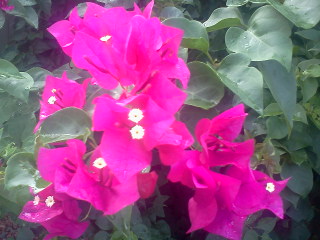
(264,53)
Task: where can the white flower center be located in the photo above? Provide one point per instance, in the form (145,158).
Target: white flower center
(53,90)
(49,201)
(137,132)
(99,163)
(146,170)
(52,100)
(105,38)
(135,115)
(270,187)
(36,200)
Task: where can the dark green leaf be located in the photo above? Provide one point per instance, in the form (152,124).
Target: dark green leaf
(171,12)
(204,89)
(251,235)
(39,76)
(300,137)
(266,38)
(25,234)
(282,86)
(244,81)
(13,82)
(301,178)
(277,128)
(272,109)
(195,35)
(309,87)
(67,123)
(302,14)
(310,34)
(236,3)
(223,18)
(21,171)
(101,235)
(8,106)
(300,114)
(267,224)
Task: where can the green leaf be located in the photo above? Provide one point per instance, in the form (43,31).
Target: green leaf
(312,71)
(251,235)
(244,81)
(171,12)
(204,89)
(195,35)
(39,76)
(28,2)
(277,128)
(27,13)
(101,235)
(8,106)
(300,114)
(236,3)
(267,224)
(223,18)
(67,123)
(2,19)
(302,14)
(282,86)
(273,109)
(309,87)
(21,171)
(300,137)
(310,34)
(13,82)
(301,178)
(299,156)
(268,37)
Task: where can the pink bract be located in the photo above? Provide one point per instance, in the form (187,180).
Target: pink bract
(60,218)
(131,56)
(216,136)
(94,183)
(60,93)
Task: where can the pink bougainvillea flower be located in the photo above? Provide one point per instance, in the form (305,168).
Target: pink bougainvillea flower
(60,93)
(171,152)
(215,137)
(213,191)
(132,128)
(131,56)
(264,192)
(94,183)
(57,212)
(146,183)
(4,5)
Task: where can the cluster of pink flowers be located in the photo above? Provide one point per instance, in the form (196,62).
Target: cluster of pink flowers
(131,50)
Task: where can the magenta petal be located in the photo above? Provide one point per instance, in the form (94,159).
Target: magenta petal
(238,154)
(202,209)
(148,10)
(39,213)
(125,156)
(227,224)
(62,226)
(62,31)
(109,199)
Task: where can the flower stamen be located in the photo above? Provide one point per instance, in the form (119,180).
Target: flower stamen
(137,132)
(270,187)
(135,115)
(52,100)
(105,38)
(99,163)
(49,201)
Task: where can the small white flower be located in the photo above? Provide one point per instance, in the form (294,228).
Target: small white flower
(135,115)
(99,163)
(52,100)
(53,90)
(105,38)
(270,187)
(36,200)
(49,201)
(137,132)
